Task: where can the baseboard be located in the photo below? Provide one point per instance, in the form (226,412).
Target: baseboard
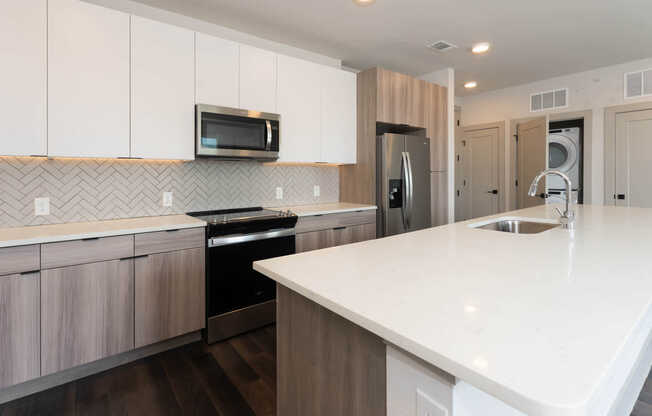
(53,380)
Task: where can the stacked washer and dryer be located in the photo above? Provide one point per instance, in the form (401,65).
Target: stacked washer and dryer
(565,154)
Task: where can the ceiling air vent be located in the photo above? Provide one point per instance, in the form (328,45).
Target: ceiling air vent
(638,84)
(441,46)
(549,100)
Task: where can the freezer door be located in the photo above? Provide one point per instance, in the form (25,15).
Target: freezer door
(391,190)
(418,149)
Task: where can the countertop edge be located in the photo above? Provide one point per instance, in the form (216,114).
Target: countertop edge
(94,234)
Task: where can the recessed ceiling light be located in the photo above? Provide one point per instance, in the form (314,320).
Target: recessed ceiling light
(364,2)
(480,48)
(470,84)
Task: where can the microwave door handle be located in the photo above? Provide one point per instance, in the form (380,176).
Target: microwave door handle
(268,146)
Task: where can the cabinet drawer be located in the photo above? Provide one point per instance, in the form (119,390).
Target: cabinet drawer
(19,259)
(90,250)
(163,241)
(324,222)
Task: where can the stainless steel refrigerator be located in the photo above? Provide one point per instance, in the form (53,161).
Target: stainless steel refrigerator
(402,183)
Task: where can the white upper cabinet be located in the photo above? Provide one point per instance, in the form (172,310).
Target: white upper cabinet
(23,77)
(299,106)
(217,64)
(338,116)
(257,80)
(162,90)
(88,80)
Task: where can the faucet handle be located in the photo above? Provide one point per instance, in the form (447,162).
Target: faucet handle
(569,214)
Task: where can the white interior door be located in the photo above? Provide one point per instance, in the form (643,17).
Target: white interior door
(633,152)
(481,172)
(531,159)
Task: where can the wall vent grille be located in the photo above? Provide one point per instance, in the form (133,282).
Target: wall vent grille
(549,100)
(441,46)
(638,84)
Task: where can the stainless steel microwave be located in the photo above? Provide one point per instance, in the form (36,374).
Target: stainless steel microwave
(232,133)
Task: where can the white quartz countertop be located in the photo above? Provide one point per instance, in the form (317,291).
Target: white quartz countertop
(550,323)
(38,234)
(323,209)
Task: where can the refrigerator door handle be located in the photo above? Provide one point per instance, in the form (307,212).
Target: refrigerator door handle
(411,189)
(405,191)
(408,200)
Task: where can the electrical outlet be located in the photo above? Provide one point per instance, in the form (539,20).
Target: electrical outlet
(167,199)
(316,191)
(41,206)
(279,192)
(427,406)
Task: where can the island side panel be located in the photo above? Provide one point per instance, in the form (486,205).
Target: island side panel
(326,365)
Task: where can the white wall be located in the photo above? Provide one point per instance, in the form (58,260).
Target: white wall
(446,78)
(591,90)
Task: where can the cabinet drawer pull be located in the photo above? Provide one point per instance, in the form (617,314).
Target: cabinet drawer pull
(339,228)
(29,272)
(90,239)
(134,257)
(171,231)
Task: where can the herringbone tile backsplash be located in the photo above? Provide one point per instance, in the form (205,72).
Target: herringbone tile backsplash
(98,189)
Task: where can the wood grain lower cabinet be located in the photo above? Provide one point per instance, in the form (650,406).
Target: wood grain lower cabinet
(87,313)
(313,240)
(338,236)
(353,234)
(19,328)
(170,295)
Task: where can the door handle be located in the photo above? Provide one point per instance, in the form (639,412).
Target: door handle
(410,189)
(493,191)
(406,176)
(268,145)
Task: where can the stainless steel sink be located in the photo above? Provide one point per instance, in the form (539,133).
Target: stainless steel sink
(518,226)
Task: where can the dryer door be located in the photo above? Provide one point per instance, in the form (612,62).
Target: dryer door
(563,156)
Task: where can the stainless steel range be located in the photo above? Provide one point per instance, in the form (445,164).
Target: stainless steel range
(239,298)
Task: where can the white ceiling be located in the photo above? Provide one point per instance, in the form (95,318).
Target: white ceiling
(532,40)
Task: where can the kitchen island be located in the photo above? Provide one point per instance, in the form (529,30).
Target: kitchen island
(461,321)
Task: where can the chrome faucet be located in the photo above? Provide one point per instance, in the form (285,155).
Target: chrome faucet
(566,218)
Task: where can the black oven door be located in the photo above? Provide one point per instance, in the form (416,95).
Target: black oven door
(232,283)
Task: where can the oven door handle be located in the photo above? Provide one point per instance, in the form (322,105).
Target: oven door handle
(245,238)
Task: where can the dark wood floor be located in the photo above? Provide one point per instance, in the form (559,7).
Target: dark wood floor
(232,378)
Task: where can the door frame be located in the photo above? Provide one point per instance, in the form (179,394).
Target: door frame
(610,114)
(500,125)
